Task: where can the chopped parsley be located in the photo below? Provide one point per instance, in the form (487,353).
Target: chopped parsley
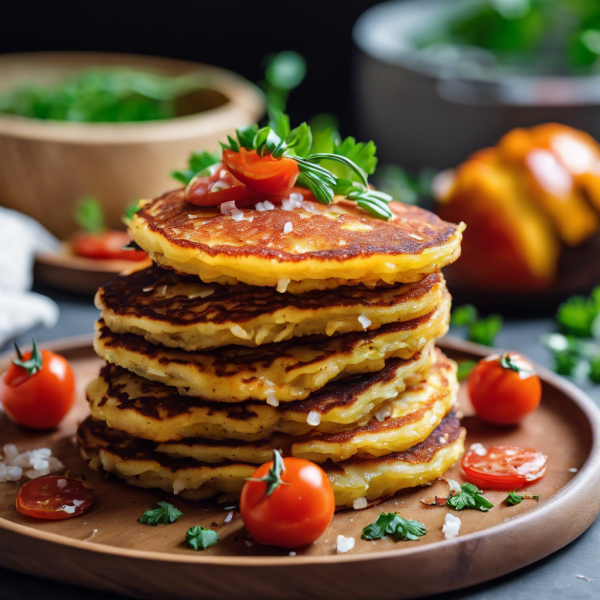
(481,330)
(197,162)
(469,497)
(514,498)
(201,539)
(394,525)
(163,512)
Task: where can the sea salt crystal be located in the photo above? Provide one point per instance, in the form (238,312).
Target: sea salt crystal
(451,526)
(313,418)
(68,509)
(32,464)
(364,321)
(178,486)
(263,206)
(272,399)
(454,486)
(292,553)
(573,470)
(282,285)
(344,544)
(227,207)
(293,201)
(228,518)
(288,227)
(442,440)
(478,449)
(310,207)
(360,503)
(237,214)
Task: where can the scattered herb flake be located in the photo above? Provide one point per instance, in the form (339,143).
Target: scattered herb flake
(469,497)
(201,539)
(394,525)
(514,498)
(163,513)
(481,330)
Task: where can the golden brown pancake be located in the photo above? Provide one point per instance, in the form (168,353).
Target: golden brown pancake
(400,424)
(182,312)
(154,411)
(138,463)
(279,372)
(327,247)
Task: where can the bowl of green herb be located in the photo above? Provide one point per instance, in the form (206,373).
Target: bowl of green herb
(109,125)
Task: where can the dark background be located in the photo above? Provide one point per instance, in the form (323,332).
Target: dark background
(235,34)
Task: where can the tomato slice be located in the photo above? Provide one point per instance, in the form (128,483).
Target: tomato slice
(264,174)
(504,467)
(54,497)
(105,246)
(214,189)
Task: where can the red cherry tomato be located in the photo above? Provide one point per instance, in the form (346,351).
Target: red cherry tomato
(503,389)
(41,400)
(264,174)
(296,513)
(504,467)
(54,497)
(105,246)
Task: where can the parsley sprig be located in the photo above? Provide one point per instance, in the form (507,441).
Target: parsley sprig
(34,363)
(163,512)
(514,498)
(200,538)
(394,525)
(481,330)
(326,174)
(273,477)
(469,497)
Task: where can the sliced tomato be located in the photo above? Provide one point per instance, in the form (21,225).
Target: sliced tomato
(214,189)
(54,497)
(504,467)
(105,246)
(265,174)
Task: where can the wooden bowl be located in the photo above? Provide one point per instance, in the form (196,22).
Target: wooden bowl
(47,166)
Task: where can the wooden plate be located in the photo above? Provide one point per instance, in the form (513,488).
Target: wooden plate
(109,549)
(67,272)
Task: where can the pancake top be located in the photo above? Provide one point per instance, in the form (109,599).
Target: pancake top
(337,232)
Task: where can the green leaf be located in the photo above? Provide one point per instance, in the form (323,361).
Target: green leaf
(89,215)
(201,539)
(464,315)
(484,331)
(325,133)
(594,373)
(273,477)
(299,141)
(197,162)
(163,513)
(464,369)
(279,122)
(404,187)
(394,525)
(130,211)
(577,315)
(34,363)
(360,153)
(356,171)
(246,135)
(469,497)
(514,498)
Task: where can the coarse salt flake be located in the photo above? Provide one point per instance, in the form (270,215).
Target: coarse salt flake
(451,526)
(282,284)
(228,518)
(293,201)
(178,486)
(32,464)
(344,544)
(364,321)
(442,440)
(272,399)
(454,486)
(237,214)
(292,553)
(227,207)
(573,470)
(263,206)
(288,227)
(359,503)
(313,418)
(68,509)
(478,449)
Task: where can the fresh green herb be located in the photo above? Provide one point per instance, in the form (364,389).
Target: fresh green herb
(578,315)
(130,211)
(404,187)
(163,513)
(284,72)
(201,539)
(469,497)
(89,215)
(103,96)
(481,330)
(197,162)
(394,525)
(273,477)
(34,363)
(514,498)
(464,369)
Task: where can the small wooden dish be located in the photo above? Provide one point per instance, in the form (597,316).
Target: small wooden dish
(47,166)
(108,549)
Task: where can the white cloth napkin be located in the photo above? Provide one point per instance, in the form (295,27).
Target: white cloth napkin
(20,309)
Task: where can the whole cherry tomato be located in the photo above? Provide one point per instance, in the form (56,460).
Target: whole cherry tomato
(108,245)
(504,467)
(38,389)
(54,497)
(288,503)
(503,389)
(264,174)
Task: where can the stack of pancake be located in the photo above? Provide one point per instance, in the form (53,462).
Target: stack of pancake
(304,328)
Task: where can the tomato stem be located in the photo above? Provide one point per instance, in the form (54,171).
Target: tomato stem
(273,477)
(33,364)
(508,363)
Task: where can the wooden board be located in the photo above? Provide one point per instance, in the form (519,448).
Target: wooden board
(126,557)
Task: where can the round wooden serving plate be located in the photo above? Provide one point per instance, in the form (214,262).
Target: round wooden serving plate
(109,549)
